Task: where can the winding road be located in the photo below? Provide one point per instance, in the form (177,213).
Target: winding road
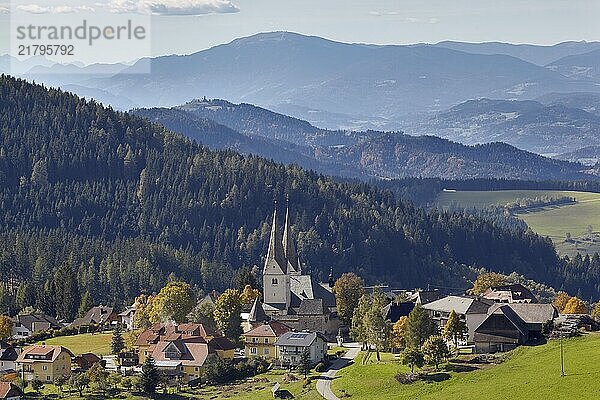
(324,380)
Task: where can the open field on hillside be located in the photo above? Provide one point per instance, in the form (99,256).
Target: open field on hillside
(552,221)
(97,343)
(528,373)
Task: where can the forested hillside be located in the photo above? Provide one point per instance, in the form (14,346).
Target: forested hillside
(97,200)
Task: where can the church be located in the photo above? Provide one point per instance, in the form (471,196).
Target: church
(290,296)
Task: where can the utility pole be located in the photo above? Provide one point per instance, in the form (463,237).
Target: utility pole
(562,358)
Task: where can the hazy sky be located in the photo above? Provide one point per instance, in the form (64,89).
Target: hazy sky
(184,26)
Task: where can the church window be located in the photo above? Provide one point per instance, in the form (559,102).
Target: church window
(274,281)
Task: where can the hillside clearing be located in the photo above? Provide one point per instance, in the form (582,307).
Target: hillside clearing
(552,221)
(97,343)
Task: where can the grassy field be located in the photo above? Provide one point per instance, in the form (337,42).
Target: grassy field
(257,388)
(554,221)
(97,343)
(528,373)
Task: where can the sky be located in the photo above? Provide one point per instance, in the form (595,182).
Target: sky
(186,26)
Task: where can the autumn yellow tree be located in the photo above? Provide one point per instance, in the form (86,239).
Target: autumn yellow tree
(487,280)
(143,305)
(249,294)
(397,334)
(575,306)
(455,328)
(596,311)
(560,301)
(227,314)
(173,303)
(6,325)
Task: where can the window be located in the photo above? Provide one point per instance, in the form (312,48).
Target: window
(267,351)
(45,367)
(196,369)
(274,281)
(47,378)
(267,340)
(252,350)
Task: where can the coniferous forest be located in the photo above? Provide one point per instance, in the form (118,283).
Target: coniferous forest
(98,201)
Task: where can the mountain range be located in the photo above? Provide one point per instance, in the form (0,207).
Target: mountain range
(339,85)
(367,154)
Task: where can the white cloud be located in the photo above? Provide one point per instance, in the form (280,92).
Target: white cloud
(37,9)
(171,7)
(382,13)
(4,8)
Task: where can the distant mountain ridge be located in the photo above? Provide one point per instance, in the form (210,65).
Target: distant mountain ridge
(554,128)
(354,86)
(367,154)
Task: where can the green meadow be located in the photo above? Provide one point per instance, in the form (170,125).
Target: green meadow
(552,221)
(527,373)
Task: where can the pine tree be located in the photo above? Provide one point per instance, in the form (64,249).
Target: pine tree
(419,327)
(86,304)
(118,344)
(150,376)
(305,364)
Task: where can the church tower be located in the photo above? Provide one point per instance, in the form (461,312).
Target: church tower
(293,263)
(276,281)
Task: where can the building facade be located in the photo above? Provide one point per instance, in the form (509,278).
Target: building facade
(45,363)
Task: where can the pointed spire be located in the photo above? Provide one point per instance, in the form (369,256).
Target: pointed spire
(288,244)
(257,312)
(275,254)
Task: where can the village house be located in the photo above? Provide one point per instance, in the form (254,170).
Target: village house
(472,310)
(510,325)
(291,345)
(8,358)
(101,316)
(10,391)
(85,361)
(514,293)
(260,341)
(181,350)
(44,362)
(127,318)
(27,324)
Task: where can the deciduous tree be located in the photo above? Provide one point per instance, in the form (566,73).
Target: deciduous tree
(575,306)
(485,281)
(227,314)
(560,301)
(397,340)
(348,290)
(173,303)
(455,328)
(412,357)
(249,294)
(435,350)
(6,326)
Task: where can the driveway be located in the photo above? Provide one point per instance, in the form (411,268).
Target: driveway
(324,381)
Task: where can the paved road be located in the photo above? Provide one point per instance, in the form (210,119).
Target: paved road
(324,381)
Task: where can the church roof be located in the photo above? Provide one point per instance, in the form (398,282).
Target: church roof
(288,246)
(275,263)
(312,307)
(304,287)
(257,312)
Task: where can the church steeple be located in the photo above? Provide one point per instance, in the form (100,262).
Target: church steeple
(275,261)
(293,264)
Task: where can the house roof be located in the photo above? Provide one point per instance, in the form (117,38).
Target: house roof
(303,287)
(220,343)
(9,389)
(427,296)
(29,320)
(49,352)
(191,353)
(461,304)
(171,332)
(300,339)
(393,311)
(531,313)
(8,354)
(257,312)
(96,315)
(128,310)
(312,307)
(89,357)
(510,293)
(270,329)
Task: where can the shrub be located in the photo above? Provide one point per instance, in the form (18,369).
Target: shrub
(306,382)
(321,367)
(406,379)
